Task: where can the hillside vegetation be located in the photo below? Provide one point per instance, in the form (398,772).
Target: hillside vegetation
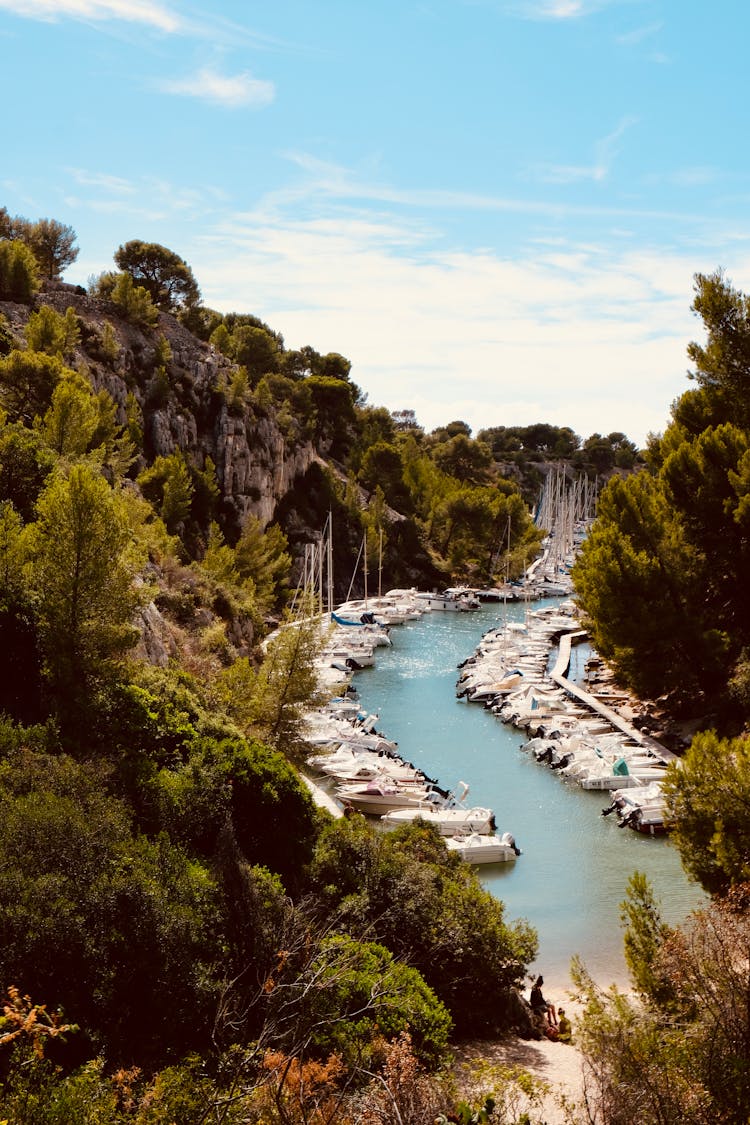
(184,936)
(182,932)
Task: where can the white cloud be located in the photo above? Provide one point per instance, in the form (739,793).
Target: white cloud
(133,11)
(229,90)
(574,336)
(587,331)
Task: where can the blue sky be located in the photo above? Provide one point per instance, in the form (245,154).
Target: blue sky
(493,208)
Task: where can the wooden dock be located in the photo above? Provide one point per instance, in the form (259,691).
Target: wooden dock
(594,703)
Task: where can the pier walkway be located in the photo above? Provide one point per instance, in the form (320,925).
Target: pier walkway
(321,798)
(558,674)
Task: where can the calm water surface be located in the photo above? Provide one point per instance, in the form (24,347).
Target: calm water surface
(575,865)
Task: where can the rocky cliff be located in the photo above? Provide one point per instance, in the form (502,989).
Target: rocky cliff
(183,402)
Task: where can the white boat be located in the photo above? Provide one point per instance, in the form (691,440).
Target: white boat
(348,766)
(377,797)
(457,599)
(484,849)
(643,810)
(448,821)
(350,656)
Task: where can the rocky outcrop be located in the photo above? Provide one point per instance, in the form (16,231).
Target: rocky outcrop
(184,404)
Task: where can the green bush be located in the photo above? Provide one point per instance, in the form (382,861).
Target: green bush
(407,891)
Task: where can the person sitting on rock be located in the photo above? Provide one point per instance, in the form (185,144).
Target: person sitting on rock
(540,1006)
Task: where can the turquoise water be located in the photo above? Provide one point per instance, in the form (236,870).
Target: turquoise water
(575,865)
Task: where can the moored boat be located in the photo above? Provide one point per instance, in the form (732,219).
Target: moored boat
(448,821)
(377,797)
(457,599)
(484,849)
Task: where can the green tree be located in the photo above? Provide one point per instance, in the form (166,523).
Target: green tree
(404,889)
(333,402)
(333,366)
(596,451)
(645,936)
(168,485)
(53,246)
(709,804)
(12,556)
(27,380)
(383,467)
(265,790)
(73,417)
(116,929)
(256,349)
(463,458)
(133,301)
(25,464)
(83,570)
(349,995)
(682,1055)
(722,363)
(636,579)
(166,277)
(47,331)
(285,685)
(19,279)
(659,576)
(262,563)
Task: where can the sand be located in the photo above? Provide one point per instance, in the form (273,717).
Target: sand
(557,1064)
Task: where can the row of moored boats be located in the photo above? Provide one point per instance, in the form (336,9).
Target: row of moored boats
(572,733)
(359,766)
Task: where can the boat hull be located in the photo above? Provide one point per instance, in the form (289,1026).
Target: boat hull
(477,849)
(467,820)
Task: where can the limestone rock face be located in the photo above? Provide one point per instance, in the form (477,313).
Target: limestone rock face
(156,644)
(184,403)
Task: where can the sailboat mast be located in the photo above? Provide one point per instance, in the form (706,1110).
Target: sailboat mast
(380,565)
(329,567)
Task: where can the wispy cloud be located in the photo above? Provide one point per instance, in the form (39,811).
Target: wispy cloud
(605,153)
(582,332)
(553,9)
(638,34)
(233,91)
(133,11)
(145,199)
(326,182)
(114,184)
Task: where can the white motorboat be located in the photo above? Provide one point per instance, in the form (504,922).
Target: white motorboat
(456,598)
(642,809)
(377,797)
(448,821)
(347,658)
(484,849)
(349,765)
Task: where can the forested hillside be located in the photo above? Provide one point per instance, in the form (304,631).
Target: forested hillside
(184,936)
(182,932)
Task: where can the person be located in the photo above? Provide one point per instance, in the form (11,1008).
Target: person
(540,1006)
(564,1027)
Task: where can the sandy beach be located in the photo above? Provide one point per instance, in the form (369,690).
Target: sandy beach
(557,1064)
